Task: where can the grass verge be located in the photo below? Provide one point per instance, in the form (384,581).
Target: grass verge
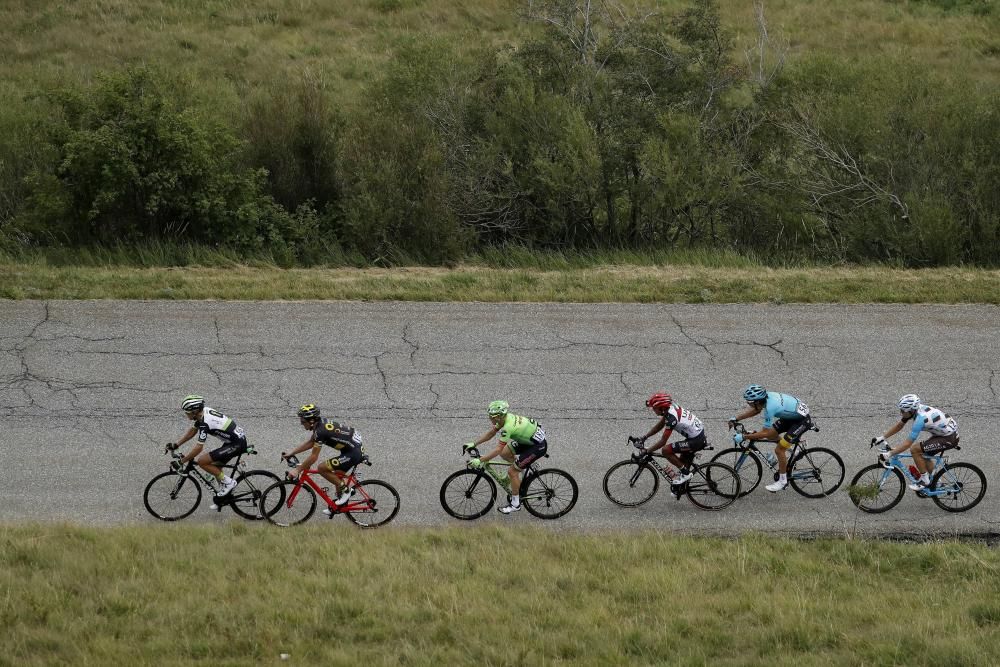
(625,284)
(330,594)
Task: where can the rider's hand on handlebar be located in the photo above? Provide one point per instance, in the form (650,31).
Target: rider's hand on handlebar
(176,465)
(738,438)
(475,463)
(637,441)
(878,442)
(639,455)
(170,446)
(733,421)
(883,458)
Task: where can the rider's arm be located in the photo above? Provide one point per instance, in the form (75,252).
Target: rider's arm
(663,440)
(894,430)
(656,429)
(495,453)
(918,424)
(749,412)
(194,450)
(486,437)
(763,434)
(310,460)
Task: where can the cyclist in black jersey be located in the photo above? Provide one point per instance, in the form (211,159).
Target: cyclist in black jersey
(340,437)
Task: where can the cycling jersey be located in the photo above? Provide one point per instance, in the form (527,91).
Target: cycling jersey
(519,431)
(783,407)
(683,421)
(217,425)
(932,420)
(341,437)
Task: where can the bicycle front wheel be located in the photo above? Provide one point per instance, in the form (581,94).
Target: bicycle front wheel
(171,497)
(549,494)
(713,486)
(245,496)
(468,494)
(963,484)
(816,472)
(287,504)
(746,465)
(377,505)
(876,489)
(630,484)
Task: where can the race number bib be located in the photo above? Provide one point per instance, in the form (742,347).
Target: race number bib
(802,409)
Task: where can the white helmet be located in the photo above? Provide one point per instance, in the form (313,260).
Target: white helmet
(909,403)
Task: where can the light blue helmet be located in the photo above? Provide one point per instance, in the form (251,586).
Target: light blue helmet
(754,392)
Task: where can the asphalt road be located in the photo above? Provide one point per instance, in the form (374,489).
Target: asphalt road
(89,391)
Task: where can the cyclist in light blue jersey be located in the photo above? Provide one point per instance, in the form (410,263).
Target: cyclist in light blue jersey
(786,418)
(942,428)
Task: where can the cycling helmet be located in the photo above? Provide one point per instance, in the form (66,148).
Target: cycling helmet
(660,400)
(193,403)
(754,392)
(308,411)
(909,403)
(498,408)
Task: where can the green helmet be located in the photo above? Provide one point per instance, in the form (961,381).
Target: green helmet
(193,403)
(498,408)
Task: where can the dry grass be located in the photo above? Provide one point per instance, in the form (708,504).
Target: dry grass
(626,284)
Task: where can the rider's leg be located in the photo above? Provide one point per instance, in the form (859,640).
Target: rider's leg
(513,471)
(335,477)
(782,453)
(204,460)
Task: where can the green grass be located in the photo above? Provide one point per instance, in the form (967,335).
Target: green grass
(673,283)
(331,594)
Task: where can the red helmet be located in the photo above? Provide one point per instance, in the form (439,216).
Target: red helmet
(660,400)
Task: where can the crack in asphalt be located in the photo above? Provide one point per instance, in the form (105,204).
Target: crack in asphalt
(993,376)
(694,340)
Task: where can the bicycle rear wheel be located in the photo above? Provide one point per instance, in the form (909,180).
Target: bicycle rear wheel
(468,494)
(549,494)
(713,486)
(630,484)
(965,486)
(377,505)
(816,472)
(245,496)
(171,497)
(287,504)
(876,489)
(746,465)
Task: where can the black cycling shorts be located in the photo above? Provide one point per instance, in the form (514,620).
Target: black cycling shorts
(793,428)
(694,444)
(228,451)
(523,459)
(346,460)
(939,443)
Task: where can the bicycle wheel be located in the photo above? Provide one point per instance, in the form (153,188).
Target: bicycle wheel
(245,496)
(549,494)
(630,484)
(468,494)
(285,505)
(965,486)
(170,496)
(713,486)
(816,472)
(746,465)
(377,505)
(876,489)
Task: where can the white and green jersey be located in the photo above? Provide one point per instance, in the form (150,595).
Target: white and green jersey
(219,425)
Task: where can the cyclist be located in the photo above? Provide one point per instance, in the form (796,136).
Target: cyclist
(210,422)
(341,437)
(522,442)
(943,430)
(674,418)
(784,416)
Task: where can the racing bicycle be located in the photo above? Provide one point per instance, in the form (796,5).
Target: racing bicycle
(175,494)
(373,503)
(814,472)
(632,482)
(547,493)
(955,487)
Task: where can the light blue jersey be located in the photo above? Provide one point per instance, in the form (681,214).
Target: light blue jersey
(783,406)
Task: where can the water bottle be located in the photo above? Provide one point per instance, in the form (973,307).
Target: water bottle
(914,472)
(671,473)
(772,458)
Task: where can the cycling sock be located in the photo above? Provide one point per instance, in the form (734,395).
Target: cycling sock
(515,501)
(925,478)
(221,477)
(783,479)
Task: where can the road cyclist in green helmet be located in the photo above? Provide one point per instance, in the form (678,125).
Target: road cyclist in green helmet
(210,422)
(522,442)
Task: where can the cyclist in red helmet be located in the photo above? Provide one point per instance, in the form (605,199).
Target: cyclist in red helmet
(674,418)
